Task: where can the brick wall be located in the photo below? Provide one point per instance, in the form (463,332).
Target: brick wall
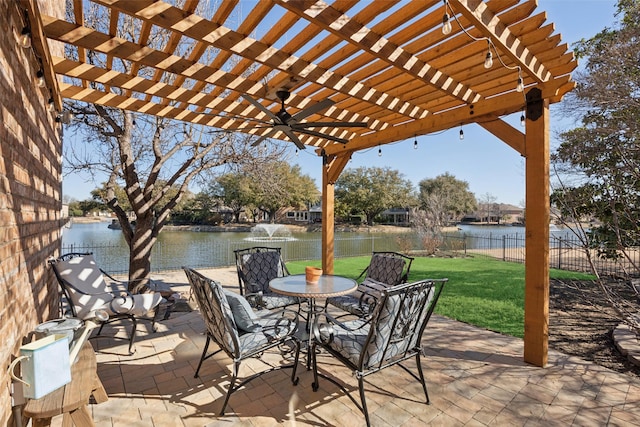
(30,195)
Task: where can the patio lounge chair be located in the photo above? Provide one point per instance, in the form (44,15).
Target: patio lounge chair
(385,269)
(256,266)
(391,336)
(233,325)
(85,289)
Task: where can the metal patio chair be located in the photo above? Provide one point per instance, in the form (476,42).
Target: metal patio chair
(385,269)
(86,291)
(224,312)
(256,266)
(391,336)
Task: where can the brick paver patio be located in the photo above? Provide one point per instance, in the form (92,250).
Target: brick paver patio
(474,377)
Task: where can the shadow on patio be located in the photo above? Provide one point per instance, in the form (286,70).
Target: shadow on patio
(475,377)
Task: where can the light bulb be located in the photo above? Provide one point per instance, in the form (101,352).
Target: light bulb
(296,152)
(446,24)
(40,78)
(415,144)
(523,120)
(52,106)
(488,60)
(520,85)
(379,152)
(461,134)
(25,38)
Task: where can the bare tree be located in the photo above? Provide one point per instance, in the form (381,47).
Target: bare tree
(152,158)
(598,163)
(487,206)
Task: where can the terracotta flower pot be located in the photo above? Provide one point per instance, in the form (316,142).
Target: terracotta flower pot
(313,274)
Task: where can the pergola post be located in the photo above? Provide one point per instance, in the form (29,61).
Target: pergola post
(536,310)
(328,207)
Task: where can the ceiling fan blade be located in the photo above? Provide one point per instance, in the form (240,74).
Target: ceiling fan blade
(315,108)
(239,118)
(263,137)
(323,135)
(293,137)
(329,125)
(260,107)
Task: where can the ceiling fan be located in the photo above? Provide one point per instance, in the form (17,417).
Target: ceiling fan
(288,124)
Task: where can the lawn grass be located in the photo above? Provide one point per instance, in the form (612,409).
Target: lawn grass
(481,291)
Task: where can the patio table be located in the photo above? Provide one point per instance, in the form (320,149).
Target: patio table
(296,285)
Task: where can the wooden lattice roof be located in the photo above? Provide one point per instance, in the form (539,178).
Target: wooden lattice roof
(386,63)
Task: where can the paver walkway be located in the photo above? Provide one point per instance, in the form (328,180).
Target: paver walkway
(475,378)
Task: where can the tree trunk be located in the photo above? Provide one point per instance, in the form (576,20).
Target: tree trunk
(143,239)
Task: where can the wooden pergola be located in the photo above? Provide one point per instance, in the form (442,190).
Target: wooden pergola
(405,68)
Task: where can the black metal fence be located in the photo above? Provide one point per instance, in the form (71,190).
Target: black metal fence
(566,253)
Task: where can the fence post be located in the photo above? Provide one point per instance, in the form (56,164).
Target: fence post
(504,247)
(560,253)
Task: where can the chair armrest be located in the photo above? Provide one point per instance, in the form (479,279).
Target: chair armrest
(111,277)
(330,326)
(284,315)
(255,300)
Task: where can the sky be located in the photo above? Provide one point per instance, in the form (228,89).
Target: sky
(488,165)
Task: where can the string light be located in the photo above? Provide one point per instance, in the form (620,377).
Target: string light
(523,119)
(25,38)
(52,106)
(488,60)
(446,23)
(379,152)
(461,133)
(415,143)
(40,77)
(520,84)
(296,152)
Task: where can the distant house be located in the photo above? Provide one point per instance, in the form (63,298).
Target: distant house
(395,216)
(496,213)
(291,215)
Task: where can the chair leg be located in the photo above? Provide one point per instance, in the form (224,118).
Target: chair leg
(204,353)
(155,315)
(101,326)
(294,378)
(134,328)
(365,411)
(236,369)
(424,384)
(312,356)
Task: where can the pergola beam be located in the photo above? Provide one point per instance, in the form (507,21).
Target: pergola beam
(507,133)
(493,107)
(380,47)
(489,24)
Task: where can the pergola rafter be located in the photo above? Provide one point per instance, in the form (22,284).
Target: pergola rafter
(388,64)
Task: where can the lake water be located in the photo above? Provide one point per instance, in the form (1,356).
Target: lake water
(214,249)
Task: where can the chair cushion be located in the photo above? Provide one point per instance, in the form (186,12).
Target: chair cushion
(362,301)
(273,326)
(243,315)
(386,269)
(271,301)
(349,343)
